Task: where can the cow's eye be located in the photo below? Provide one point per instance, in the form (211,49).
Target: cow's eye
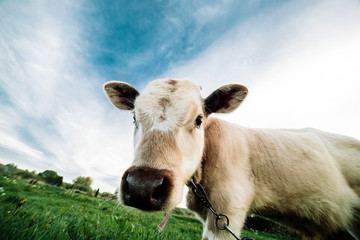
(134,118)
(198,121)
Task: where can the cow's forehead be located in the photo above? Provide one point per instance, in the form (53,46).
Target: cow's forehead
(167,104)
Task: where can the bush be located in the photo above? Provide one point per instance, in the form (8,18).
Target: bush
(8,169)
(25,174)
(108,195)
(85,181)
(51,177)
(83,188)
(83,184)
(67,185)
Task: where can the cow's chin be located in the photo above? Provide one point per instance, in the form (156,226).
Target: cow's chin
(175,197)
(173,200)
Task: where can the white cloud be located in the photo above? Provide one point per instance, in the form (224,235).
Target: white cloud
(301,66)
(56,115)
(210,12)
(9,142)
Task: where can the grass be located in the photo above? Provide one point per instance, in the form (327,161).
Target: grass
(50,212)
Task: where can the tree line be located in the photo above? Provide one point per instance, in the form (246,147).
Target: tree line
(80,184)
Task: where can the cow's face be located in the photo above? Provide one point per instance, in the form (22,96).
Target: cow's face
(169,119)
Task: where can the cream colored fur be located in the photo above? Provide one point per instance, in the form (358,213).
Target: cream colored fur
(306,179)
(300,178)
(169,107)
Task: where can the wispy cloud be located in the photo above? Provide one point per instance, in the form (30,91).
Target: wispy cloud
(55,113)
(13,144)
(301,65)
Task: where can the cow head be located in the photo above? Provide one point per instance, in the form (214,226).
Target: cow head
(169,118)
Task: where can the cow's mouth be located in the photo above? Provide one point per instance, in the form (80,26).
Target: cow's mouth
(146,188)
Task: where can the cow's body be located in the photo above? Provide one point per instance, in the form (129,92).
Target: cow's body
(306,179)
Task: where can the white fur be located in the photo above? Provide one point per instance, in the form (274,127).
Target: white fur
(207,234)
(148,104)
(137,135)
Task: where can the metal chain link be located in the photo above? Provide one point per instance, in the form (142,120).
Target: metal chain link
(200,193)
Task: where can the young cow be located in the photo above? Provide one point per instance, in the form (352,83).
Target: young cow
(306,179)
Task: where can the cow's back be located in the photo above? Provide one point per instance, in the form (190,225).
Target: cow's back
(346,151)
(305,178)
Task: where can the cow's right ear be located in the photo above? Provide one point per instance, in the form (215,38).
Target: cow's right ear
(121,94)
(225,99)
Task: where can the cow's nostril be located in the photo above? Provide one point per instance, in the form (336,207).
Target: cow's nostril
(125,188)
(160,191)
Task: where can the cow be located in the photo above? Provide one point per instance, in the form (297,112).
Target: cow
(306,179)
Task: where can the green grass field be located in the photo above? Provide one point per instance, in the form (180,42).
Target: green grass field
(50,212)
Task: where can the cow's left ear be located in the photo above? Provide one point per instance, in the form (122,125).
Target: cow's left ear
(225,99)
(121,94)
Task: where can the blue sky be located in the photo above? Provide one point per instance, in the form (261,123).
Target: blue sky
(299,59)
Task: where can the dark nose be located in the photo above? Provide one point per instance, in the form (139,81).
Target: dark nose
(146,188)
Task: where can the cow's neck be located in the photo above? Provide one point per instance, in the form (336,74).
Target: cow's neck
(214,141)
(212,169)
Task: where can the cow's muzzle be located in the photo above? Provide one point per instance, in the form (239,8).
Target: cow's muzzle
(146,188)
